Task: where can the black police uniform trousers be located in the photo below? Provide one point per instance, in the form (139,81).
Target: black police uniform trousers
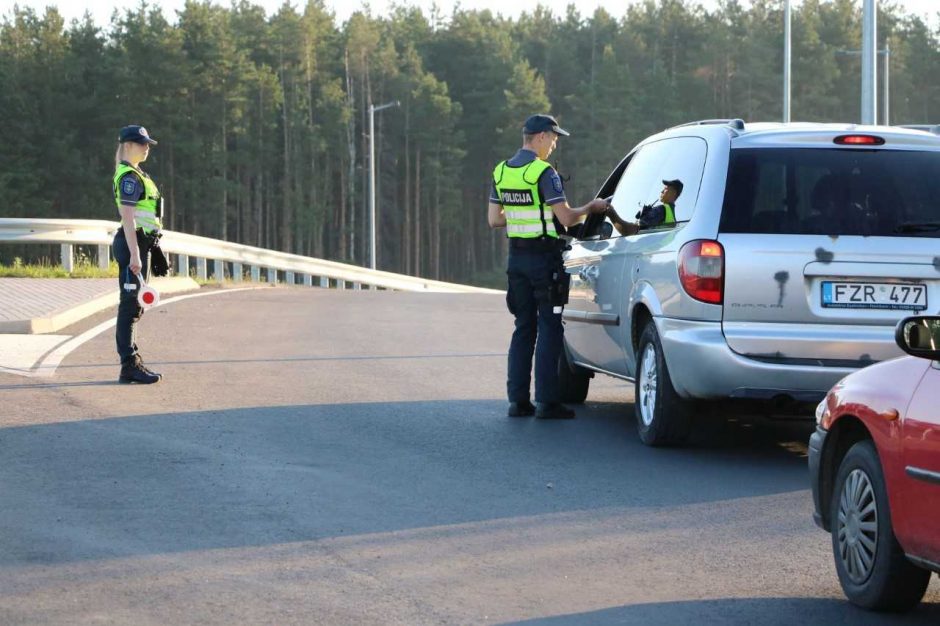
(538,329)
(129,312)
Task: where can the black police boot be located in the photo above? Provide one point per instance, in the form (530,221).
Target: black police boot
(134,371)
(553,411)
(521,409)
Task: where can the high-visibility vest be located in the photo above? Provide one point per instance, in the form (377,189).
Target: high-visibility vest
(147,213)
(670,214)
(527,216)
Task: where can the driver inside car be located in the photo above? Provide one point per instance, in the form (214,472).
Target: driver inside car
(651,216)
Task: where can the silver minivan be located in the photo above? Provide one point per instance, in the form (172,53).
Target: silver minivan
(796,250)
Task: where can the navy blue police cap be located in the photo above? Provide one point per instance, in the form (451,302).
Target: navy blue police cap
(137,134)
(675,184)
(543,123)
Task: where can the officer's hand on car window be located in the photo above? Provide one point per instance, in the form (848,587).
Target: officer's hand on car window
(599,205)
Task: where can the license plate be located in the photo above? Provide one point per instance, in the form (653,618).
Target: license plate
(908,297)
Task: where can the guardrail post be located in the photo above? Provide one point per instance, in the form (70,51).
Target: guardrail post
(104,256)
(324,282)
(68,259)
(218,270)
(237,272)
(290,278)
(308,280)
(272,275)
(182,264)
(255,274)
(202,270)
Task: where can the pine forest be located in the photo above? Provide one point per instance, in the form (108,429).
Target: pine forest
(262,118)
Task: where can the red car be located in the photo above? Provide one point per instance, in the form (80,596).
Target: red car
(875,468)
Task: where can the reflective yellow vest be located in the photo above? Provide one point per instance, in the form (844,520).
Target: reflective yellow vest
(148,211)
(670,214)
(527,216)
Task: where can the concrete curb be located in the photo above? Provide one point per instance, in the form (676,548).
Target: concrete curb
(60,319)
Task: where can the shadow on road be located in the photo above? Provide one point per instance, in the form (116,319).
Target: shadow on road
(302,359)
(732,611)
(258,476)
(58,385)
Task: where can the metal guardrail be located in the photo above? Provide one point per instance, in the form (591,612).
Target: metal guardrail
(310,271)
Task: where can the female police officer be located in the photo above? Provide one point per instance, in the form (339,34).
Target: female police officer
(139,205)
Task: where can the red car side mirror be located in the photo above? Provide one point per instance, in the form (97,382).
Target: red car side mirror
(919,336)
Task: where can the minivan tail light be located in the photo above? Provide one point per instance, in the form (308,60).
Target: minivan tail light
(702,270)
(859,140)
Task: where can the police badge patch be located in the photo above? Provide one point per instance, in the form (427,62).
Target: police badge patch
(129,186)
(556,182)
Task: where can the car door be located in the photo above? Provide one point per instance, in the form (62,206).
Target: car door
(595,266)
(921,458)
(675,158)
(603,264)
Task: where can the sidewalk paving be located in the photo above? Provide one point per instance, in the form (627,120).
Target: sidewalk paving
(46,305)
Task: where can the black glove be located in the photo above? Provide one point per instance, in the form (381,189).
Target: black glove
(158,261)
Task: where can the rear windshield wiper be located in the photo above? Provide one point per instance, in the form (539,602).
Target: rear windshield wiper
(917,227)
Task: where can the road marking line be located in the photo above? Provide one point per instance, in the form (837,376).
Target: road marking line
(49,364)
(18,352)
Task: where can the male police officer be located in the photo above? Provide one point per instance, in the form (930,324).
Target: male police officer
(650,216)
(528,199)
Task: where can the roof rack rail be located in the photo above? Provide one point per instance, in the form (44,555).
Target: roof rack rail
(927,128)
(735,123)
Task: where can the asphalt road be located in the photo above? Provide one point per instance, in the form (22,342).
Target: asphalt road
(325,457)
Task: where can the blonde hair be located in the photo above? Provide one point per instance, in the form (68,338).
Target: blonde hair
(119,154)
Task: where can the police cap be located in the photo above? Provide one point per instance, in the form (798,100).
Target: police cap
(542,123)
(675,184)
(137,134)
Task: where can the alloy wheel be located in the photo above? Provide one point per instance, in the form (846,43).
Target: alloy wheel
(648,378)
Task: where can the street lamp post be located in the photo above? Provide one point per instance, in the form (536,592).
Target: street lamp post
(786,62)
(869,52)
(887,53)
(372,110)
(887,80)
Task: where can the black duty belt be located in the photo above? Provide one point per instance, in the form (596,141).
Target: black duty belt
(535,244)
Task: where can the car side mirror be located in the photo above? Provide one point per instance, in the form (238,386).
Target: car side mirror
(919,336)
(607,229)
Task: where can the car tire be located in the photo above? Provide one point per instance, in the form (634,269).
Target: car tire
(873,570)
(573,380)
(662,417)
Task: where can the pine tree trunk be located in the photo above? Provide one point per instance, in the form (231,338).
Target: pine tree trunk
(223,212)
(350,231)
(343,202)
(417,223)
(286,221)
(406,225)
(259,217)
(436,227)
(367,100)
(171,208)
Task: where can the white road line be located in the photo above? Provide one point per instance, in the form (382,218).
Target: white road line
(49,364)
(19,352)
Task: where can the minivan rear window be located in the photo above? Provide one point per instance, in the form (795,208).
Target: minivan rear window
(832,191)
